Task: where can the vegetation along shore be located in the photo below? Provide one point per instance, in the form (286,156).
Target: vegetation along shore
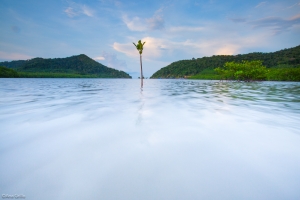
(283,65)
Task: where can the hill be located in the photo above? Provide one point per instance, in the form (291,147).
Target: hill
(74,66)
(286,58)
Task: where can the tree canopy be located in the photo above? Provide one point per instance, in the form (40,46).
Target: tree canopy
(139,46)
(243,71)
(8,73)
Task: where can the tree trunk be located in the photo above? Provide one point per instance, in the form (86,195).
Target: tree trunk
(142,77)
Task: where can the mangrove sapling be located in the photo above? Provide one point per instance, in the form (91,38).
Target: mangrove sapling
(140,46)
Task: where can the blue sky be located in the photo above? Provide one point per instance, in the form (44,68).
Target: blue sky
(173,29)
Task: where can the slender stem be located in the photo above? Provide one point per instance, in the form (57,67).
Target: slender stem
(141,71)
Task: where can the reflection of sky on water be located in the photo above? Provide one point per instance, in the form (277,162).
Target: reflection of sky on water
(176,139)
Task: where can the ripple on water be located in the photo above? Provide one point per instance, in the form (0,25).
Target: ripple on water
(175,139)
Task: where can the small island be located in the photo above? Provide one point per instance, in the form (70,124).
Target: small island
(80,66)
(283,65)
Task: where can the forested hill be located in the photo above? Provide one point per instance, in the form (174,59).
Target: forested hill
(74,66)
(286,58)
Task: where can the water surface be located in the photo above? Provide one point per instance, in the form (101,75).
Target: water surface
(176,139)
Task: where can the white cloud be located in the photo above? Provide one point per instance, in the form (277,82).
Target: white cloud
(229,49)
(76,9)
(154,48)
(276,24)
(295,18)
(13,56)
(225,44)
(139,24)
(87,11)
(260,4)
(157,22)
(99,58)
(127,49)
(112,61)
(296,4)
(70,12)
(134,24)
(207,48)
(185,29)
(166,48)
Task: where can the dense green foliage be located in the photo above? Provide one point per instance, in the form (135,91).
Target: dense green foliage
(179,69)
(207,74)
(8,73)
(283,74)
(243,71)
(139,46)
(288,58)
(273,74)
(74,66)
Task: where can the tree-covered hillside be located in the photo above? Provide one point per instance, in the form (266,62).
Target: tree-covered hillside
(8,73)
(74,66)
(287,58)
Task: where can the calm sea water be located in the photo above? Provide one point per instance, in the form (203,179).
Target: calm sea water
(176,139)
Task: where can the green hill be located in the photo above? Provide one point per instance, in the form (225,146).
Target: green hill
(203,67)
(80,66)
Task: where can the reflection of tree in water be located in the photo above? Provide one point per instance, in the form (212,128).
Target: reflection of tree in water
(239,90)
(258,95)
(221,88)
(220,93)
(140,109)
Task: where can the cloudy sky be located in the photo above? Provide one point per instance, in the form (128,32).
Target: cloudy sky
(173,29)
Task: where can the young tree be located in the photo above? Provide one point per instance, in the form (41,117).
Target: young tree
(244,71)
(139,46)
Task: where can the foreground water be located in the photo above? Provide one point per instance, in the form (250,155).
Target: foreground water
(176,139)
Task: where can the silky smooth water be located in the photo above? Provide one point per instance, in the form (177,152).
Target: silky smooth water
(175,139)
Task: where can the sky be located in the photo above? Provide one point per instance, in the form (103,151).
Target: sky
(172,29)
